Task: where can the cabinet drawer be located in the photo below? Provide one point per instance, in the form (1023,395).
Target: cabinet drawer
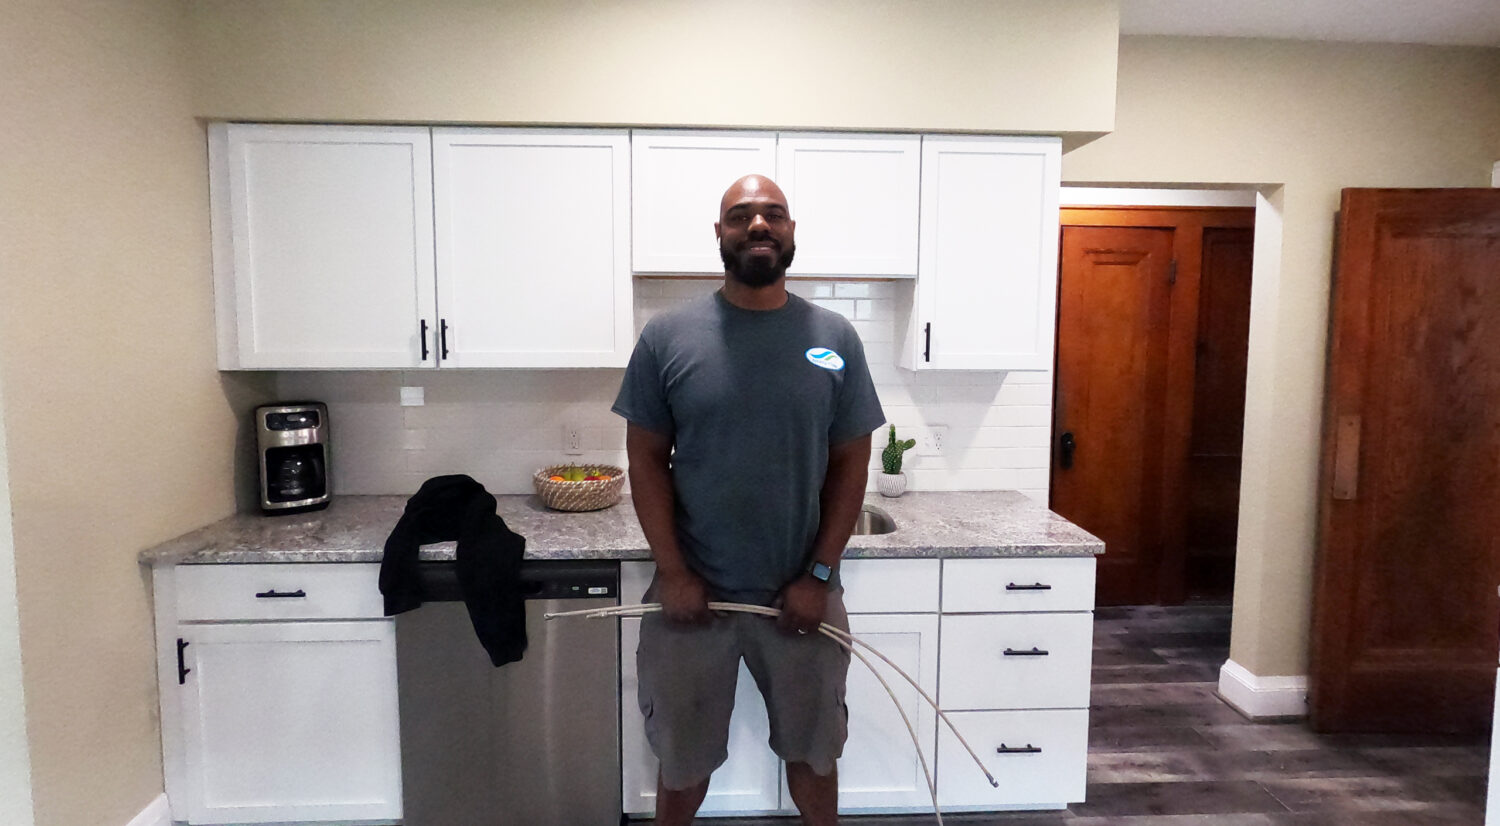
(1044,761)
(890,586)
(1006,661)
(273,592)
(1031,584)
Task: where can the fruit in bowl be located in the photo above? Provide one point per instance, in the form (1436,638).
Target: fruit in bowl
(574,473)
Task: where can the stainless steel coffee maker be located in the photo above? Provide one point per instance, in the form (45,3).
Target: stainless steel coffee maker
(292,441)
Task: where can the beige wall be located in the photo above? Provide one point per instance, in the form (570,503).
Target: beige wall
(1312,118)
(998,65)
(105,325)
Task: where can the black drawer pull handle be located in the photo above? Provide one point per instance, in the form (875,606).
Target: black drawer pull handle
(1037,587)
(275,594)
(182,669)
(1034,652)
(1026,749)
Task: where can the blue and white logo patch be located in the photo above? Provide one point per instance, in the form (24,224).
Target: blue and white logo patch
(825,358)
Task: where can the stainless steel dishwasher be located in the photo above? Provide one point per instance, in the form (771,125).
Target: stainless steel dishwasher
(531,743)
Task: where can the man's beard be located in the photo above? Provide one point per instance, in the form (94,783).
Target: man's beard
(752,272)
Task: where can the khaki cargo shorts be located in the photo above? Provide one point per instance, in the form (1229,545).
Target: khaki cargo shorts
(688,676)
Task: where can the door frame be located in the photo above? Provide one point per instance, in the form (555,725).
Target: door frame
(1187,254)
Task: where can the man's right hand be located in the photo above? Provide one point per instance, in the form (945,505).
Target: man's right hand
(683,597)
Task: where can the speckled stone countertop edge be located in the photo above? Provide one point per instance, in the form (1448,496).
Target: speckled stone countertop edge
(930,524)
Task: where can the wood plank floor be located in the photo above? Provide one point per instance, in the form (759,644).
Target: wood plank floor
(1165,751)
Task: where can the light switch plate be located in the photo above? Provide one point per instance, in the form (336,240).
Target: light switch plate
(413,396)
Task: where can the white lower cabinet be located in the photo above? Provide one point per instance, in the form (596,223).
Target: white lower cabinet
(1039,757)
(880,768)
(1014,675)
(749,781)
(272,713)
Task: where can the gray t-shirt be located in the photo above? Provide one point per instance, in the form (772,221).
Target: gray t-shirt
(752,400)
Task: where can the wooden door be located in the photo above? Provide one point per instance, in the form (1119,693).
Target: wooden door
(1111,381)
(1153,317)
(1406,619)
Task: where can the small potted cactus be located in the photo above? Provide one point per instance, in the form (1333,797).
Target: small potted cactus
(891,481)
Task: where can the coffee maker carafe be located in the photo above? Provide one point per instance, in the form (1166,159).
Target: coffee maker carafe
(292,441)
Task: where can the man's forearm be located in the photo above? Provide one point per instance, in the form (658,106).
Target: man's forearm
(841,498)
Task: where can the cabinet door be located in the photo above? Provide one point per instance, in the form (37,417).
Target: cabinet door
(1039,757)
(678,180)
(748,782)
(986,292)
(532,247)
(291,721)
(880,767)
(855,202)
(322,245)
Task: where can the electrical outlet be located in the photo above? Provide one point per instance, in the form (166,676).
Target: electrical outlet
(931,440)
(572,439)
(412,397)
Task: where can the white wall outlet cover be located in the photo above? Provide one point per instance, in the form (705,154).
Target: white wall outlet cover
(932,440)
(572,439)
(1495,175)
(413,396)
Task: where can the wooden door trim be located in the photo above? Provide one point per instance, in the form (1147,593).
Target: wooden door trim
(1188,224)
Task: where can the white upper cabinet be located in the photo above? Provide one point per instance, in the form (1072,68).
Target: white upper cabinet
(678,180)
(986,291)
(533,244)
(854,197)
(322,245)
(855,201)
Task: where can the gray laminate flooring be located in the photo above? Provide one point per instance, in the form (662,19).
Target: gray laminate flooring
(1165,751)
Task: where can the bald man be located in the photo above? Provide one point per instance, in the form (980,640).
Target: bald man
(749,415)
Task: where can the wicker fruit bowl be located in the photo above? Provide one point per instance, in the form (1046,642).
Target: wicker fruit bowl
(588,495)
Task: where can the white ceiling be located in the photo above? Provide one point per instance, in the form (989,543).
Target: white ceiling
(1462,22)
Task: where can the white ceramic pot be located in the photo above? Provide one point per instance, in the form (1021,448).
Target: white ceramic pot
(891,484)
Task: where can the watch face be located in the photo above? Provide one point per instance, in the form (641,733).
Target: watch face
(820,571)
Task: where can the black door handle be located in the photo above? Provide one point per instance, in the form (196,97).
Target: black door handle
(424,339)
(1026,749)
(275,594)
(1034,652)
(182,669)
(443,339)
(1066,445)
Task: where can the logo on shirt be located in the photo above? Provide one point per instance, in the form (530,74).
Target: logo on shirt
(825,358)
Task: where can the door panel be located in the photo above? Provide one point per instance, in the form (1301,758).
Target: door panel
(1111,372)
(1212,498)
(1151,386)
(1406,616)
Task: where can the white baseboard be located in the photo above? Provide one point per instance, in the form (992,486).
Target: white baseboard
(156,813)
(1262,697)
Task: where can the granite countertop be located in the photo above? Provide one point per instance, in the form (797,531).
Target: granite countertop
(354,529)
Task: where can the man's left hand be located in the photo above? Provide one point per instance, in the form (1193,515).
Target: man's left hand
(802,604)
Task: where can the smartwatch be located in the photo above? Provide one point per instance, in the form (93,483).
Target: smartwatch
(819,571)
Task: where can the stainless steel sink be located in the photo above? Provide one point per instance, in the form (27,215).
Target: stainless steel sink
(873,520)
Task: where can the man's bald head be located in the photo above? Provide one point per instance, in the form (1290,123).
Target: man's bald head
(754,187)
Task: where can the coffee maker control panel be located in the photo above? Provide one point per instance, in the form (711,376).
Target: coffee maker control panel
(292,421)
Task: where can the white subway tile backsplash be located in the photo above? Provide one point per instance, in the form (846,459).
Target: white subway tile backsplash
(500,426)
